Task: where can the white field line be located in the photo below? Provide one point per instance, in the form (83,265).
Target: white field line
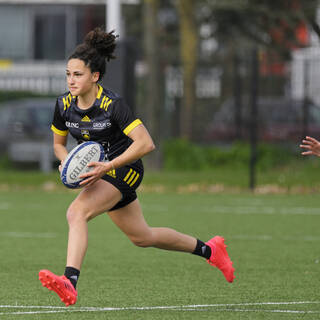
(264,210)
(31,235)
(269,238)
(15,234)
(239,210)
(271,311)
(4,206)
(218,308)
(34,312)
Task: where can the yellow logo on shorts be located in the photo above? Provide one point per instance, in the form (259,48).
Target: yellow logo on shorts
(112,173)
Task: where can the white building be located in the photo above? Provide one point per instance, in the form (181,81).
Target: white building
(38,35)
(305,70)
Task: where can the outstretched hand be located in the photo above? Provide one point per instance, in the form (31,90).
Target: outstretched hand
(312,146)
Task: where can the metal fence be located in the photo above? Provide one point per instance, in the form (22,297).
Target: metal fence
(288,98)
(287,94)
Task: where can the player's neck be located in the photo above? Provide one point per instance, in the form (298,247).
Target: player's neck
(86,101)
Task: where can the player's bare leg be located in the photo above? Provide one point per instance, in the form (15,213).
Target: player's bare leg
(131,221)
(91,202)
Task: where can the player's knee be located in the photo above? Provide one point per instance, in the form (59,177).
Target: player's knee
(142,241)
(72,216)
(76,214)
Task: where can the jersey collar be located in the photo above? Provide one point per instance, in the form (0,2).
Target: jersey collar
(95,104)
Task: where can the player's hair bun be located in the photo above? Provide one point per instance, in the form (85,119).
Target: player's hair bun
(97,47)
(103,42)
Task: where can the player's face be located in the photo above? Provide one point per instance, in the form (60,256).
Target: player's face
(80,79)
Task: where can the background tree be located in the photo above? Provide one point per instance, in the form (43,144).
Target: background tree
(272,24)
(153,94)
(235,25)
(188,53)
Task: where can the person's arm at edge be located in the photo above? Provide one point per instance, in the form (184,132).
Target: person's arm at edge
(311,145)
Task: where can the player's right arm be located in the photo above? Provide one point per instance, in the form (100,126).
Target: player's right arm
(59,146)
(60,133)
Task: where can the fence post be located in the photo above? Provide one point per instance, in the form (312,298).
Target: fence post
(305,107)
(237,92)
(253,117)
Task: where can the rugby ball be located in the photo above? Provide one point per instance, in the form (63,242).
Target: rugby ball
(76,162)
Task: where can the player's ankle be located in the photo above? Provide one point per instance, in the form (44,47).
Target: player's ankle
(73,275)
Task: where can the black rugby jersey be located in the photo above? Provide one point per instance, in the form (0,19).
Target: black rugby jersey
(108,121)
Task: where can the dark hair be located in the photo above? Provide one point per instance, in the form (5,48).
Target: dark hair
(97,46)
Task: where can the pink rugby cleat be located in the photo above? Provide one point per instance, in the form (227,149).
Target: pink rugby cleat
(60,285)
(220,258)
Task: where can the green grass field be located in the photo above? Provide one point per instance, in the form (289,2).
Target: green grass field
(304,173)
(272,239)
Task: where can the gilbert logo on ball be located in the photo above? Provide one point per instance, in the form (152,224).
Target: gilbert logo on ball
(77,160)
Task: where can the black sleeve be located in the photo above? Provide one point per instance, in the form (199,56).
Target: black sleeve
(58,123)
(124,117)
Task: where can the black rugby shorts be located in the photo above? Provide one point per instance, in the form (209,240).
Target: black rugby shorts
(126,179)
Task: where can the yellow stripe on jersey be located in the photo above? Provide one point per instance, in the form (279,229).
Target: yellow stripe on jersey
(63,133)
(131,126)
(102,102)
(105,103)
(67,101)
(99,92)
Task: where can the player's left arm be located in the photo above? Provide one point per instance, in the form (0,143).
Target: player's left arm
(142,144)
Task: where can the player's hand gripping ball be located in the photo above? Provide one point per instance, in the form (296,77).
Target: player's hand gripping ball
(77,160)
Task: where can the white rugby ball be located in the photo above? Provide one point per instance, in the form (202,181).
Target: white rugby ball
(76,162)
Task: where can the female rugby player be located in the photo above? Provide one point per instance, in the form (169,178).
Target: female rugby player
(90,112)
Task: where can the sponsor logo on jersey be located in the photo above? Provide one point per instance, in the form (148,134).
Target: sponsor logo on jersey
(101,125)
(72,124)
